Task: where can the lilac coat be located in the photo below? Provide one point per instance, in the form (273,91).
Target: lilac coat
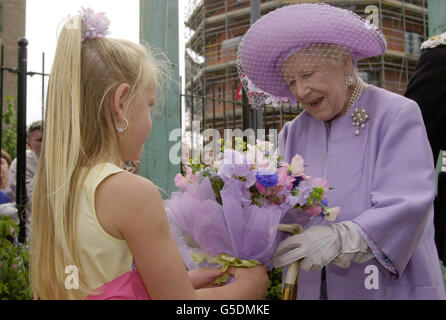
(383,181)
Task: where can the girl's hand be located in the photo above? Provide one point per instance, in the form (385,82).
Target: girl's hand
(203,277)
(255,280)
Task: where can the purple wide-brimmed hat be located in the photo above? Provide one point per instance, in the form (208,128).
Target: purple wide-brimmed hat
(283,32)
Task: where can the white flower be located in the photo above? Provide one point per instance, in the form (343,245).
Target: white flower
(297,166)
(332,213)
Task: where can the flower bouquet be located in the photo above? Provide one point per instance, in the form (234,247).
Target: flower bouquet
(229,212)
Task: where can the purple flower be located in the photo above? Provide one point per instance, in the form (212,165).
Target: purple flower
(267,180)
(240,170)
(233,165)
(251,179)
(305,188)
(292,200)
(229,171)
(94,25)
(324,203)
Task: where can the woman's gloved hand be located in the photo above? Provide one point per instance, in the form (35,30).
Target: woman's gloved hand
(339,243)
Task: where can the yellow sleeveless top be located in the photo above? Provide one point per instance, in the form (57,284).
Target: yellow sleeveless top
(102,257)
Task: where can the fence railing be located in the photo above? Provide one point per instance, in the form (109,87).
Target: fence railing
(221,110)
(22,74)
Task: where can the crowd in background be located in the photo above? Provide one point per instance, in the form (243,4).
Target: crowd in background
(9,172)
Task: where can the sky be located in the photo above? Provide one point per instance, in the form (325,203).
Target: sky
(44,17)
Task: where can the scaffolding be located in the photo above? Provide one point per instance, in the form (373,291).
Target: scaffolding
(215,28)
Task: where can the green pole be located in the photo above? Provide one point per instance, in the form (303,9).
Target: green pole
(437,17)
(159,28)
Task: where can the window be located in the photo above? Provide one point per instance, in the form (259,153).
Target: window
(412,43)
(231,43)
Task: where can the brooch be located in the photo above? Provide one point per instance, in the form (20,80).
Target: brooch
(360,117)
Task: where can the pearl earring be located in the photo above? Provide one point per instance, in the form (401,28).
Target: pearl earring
(122,130)
(349,80)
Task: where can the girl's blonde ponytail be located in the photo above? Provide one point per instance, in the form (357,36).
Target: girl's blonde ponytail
(53,195)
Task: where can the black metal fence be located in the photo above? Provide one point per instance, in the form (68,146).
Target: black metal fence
(222,110)
(22,74)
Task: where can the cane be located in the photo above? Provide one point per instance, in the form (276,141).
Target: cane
(291,282)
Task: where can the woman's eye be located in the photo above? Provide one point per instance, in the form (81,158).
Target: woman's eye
(306,75)
(291,83)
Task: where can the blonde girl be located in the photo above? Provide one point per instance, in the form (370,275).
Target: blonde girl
(89,215)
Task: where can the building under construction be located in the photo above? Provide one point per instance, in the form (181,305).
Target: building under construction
(215,29)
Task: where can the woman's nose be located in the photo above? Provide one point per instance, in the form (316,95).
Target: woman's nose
(301,91)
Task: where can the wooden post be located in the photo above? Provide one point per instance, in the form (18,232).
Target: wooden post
(159,28)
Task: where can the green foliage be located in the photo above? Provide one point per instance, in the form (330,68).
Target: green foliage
(14,263)
(217,185)
(315,196)
(196,167)
(9,129)
(275,285)
(240,145)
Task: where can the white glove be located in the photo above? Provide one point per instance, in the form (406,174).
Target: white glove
(339,243)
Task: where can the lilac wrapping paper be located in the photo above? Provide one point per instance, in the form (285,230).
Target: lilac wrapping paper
(248,232)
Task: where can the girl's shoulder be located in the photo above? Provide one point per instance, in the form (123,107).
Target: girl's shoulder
(125,188)
(124,197)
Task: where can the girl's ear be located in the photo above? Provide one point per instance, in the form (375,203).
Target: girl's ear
(120,98)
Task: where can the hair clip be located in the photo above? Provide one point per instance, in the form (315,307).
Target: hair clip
(94,25)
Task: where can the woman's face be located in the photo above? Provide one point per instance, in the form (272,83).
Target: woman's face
(140,124)
(318,84)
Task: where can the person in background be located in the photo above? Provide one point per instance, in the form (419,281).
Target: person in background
(427,87)
(7,207)
(5,163)
(33,141)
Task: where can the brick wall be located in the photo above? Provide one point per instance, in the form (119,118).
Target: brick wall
(13,28)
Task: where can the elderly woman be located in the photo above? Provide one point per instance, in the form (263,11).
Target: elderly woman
(369,143)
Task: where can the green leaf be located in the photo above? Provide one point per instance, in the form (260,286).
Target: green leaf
(222,279)
(14,263)
(274,291)
(224,260)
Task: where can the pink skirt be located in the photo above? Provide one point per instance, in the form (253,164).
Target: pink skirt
(128,286)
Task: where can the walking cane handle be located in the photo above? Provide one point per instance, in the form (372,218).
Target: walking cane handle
(292,276)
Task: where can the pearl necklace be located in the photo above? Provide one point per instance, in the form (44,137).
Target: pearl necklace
(356,93)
